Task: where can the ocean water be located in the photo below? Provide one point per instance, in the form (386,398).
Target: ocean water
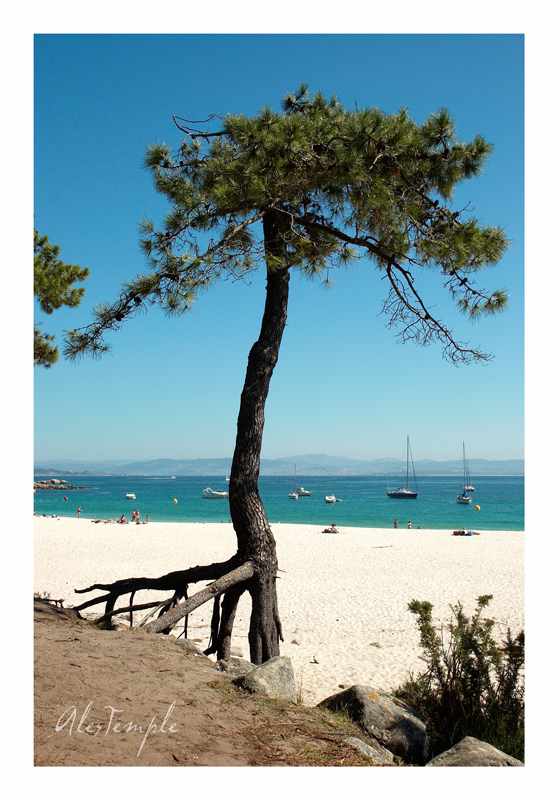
(364,501)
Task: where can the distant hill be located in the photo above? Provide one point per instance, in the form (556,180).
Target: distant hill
(316,464)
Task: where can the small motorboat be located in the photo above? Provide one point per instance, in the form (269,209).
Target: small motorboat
(209,494)
(463,498)
(302,492)
(130,496)
(330,498)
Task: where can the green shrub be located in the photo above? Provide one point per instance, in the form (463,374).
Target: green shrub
(472,686)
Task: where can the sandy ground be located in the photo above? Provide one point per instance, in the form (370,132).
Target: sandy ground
(342,598)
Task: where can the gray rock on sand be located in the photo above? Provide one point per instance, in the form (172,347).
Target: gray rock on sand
(235,666)
(394,725)
(274,678)
(471,752)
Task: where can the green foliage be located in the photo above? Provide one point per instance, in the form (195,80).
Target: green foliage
(339,184)
(471,686)
(53,288)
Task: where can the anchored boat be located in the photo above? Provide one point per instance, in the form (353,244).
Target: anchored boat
(209,494)
(404,493)
(464,498)
(294,494)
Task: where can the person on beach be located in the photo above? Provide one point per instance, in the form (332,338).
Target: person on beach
(395,523)
(409,524)
(79,511)
(146,519)
(123,520)
(333,529)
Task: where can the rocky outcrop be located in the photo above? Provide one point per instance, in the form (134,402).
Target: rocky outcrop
(274,678)
(394,725)
(56,484)
(471,752)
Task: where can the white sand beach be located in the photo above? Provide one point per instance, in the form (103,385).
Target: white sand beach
(342,598)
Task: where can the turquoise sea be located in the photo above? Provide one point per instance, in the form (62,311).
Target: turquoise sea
(364,501)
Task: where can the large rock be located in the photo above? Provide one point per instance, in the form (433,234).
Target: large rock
(471,752)
(274,678)
(235,666)
(396,726)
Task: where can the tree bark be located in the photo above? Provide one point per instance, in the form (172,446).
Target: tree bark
(255,539)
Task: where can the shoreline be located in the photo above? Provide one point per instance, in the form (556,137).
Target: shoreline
(152,521)
(343,599)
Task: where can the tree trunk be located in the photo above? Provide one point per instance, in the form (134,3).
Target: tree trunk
(254,566)
(255,539)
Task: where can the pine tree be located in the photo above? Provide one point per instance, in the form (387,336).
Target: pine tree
(308,189)
(52,286)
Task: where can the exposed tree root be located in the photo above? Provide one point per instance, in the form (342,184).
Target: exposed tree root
(227,580)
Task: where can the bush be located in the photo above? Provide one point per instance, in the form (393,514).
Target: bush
(472,686)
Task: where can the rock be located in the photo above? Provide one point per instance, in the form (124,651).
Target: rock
(371,749)
(471,752)
(235,666)
(56,484)
(274,678)
(395,725)
(188,645)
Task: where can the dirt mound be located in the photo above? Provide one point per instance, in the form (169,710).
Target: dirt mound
(129,698)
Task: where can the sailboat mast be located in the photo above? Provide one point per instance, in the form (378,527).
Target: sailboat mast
(407,484)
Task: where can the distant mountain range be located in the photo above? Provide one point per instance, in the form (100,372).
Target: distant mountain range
(317,464)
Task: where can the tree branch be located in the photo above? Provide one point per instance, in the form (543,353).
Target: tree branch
(171,581)
(238,575)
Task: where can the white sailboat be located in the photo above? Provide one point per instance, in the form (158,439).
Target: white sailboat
(404,493)
(294,494)
(468,487)
(464,498)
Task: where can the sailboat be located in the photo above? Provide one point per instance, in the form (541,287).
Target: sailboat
(468,487)
(294,494)
(406,493)
(464,497)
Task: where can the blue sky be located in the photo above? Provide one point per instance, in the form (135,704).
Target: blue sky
(343,385)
